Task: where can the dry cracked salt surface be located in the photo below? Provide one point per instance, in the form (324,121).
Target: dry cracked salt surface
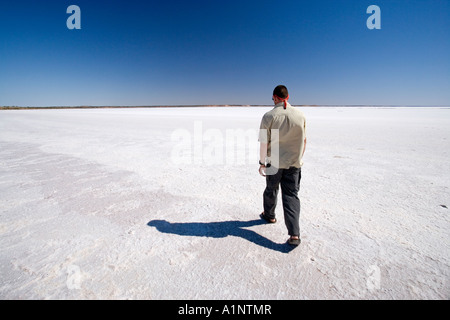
(96,204)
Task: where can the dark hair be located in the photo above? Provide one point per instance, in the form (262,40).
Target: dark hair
(281,92)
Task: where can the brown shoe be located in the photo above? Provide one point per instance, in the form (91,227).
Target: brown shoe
(294,241)
(264,217)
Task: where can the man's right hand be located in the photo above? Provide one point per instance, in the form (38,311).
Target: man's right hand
(262,170)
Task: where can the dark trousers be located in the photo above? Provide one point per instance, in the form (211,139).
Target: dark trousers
(289,179)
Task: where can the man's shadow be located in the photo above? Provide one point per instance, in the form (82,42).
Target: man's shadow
(220,230)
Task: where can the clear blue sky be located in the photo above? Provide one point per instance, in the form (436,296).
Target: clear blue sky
(224,52)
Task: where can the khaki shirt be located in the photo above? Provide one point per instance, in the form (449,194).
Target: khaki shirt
(291,125)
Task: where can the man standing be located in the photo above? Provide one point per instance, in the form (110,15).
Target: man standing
(282,145)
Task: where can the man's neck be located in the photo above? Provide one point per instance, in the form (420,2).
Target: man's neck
(281,104)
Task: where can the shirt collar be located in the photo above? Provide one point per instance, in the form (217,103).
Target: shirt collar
(281,104)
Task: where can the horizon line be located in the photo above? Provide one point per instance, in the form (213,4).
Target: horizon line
(212,106)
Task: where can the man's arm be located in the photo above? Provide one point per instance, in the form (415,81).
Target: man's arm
(304,147)
(264,133)
(262,152)
(304,141)
(262,158)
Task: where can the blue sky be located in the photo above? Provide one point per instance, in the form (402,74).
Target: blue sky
(224,52)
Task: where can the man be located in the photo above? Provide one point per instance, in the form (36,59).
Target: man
(282,145)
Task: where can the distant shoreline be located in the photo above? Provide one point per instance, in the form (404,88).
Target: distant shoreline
(209,106)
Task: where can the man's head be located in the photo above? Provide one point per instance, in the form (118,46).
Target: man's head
(280,94)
